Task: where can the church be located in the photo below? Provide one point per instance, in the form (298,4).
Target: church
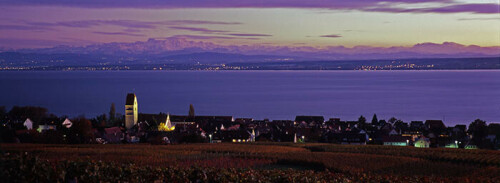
(131,111)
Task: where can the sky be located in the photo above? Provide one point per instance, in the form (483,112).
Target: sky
(311,23)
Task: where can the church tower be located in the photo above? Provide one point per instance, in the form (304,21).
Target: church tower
(131,111)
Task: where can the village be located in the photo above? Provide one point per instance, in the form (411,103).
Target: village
(22,125)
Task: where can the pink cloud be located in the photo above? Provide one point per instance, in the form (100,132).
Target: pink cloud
(331,36)
(198,29)
(118,33)
(250,35)
(209,37)
(137,24)
(200,22)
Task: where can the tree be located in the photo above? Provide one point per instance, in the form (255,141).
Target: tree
(34,113)
(478,130)
(100,119)
(81,131)
(362,119)
(3,115)
(374,120)
(191,110)
(3,112)
(112,112)
(392,120)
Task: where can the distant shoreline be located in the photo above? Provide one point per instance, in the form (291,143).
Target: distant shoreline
(229,70)
(70,63)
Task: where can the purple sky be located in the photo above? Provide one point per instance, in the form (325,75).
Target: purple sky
(368,25)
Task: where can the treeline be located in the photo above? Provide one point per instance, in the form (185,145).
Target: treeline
(13,130)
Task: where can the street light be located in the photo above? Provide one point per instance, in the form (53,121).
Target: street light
(210,136)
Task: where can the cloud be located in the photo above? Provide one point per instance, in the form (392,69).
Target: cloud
(490,8)
(24,27)
(250,35)
(440,6)
(155,4)
(133,24)
(117,33)
(94,23)
(331,36)
(491,18)
(209,37)
(197,29)
(200,22)
(30,43)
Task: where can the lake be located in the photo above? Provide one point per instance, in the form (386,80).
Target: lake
(458,97)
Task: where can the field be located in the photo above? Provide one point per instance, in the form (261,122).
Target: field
(260,162)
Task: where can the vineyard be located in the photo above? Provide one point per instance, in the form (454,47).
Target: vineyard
(260,162)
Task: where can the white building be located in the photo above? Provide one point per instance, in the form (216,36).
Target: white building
(28,124)
(131,111)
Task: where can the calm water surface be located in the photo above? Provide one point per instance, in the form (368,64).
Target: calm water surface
(455,96)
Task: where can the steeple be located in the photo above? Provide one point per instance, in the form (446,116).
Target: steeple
(168,123)
(131,111)
(191,110)
(167,126)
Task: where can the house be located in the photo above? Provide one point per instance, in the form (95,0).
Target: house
(46,126)
(494,135)
(386,129)
(393,132)
(315,120)
(237,136)
(470,147)
(435,125)
(417,126)
(396,140)
(42,128)
(243,120)
(234,127)
(452,144)
(113,135)
(348,137)
(334,120)
(412,134)
(28,124)
(353,138)
(67,123)
(422,142)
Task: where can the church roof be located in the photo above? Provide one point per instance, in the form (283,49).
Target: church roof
(130,99)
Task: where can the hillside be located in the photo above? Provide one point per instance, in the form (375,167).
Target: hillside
(268,162)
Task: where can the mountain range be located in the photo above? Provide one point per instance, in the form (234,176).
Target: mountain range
(180,50)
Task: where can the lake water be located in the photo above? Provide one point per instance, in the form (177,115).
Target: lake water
(455,96)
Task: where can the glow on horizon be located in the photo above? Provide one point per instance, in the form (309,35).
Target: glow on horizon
(285,26)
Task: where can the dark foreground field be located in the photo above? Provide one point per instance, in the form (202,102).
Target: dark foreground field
(276,162)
